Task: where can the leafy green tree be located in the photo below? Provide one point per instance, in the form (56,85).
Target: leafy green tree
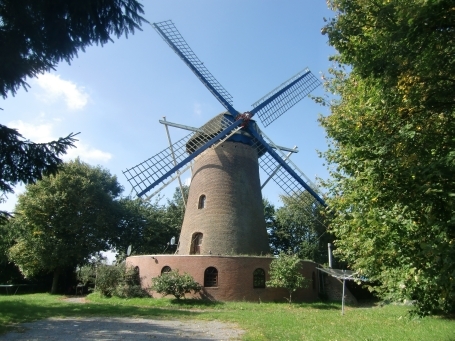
(172,283)
(65,218)
(269,215)
(285,273)
(391,146)
(299,226)
(175,208)
(145,226)
(35,36)
(118,280)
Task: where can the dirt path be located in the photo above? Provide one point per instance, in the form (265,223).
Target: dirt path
(112,329)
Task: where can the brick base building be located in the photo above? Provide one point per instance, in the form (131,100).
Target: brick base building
(227,278)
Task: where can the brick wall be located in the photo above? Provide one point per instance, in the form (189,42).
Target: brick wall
(235,276)
(232,221)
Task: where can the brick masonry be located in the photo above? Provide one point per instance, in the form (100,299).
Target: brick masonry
(232,221)
(235,276)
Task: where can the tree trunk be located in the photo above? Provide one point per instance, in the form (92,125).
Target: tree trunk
(55,282)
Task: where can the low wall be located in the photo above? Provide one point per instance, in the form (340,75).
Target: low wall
(235,276)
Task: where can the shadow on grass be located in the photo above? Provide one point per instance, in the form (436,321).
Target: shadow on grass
(19,311)
(196,302)
(313,305)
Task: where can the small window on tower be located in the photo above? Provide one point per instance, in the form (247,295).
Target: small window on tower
(196,242)
(201,202)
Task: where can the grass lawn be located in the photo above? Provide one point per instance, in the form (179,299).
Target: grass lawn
(265,321)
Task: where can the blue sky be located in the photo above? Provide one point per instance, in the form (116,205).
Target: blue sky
(114,95)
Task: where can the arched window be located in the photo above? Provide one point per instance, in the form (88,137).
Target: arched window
(201,203)
(259,278)
(196,242)
(211,277)
(165,269)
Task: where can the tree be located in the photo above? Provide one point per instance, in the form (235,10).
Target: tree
(143,225)
(65,218)
(35,36)
(118,280)
(285,273)
(175,208)
(391,146)
(299,226)
(172,283)
(24,161)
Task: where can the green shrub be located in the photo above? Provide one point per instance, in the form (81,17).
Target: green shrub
(285,273)
(113,280)
(172,283)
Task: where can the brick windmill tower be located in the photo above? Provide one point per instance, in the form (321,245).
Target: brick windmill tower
(224,211)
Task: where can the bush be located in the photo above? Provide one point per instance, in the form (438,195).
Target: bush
(285,273)
(113,280)
(172,283)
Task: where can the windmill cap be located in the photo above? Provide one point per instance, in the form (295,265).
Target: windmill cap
(217,124)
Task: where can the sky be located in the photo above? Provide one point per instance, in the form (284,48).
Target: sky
(115,94)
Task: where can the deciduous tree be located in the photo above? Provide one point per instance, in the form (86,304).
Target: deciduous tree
(299,226)
(65,218)
(285,273)
(391,154)
(145,226)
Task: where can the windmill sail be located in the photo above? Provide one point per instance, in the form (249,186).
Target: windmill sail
(287,176)
(149,173)
(285,96)
(172,36)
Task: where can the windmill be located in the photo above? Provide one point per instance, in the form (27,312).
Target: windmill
(224,210)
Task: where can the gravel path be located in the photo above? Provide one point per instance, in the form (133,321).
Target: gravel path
(102,328)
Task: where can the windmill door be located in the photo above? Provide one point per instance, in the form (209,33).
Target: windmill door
(196,244)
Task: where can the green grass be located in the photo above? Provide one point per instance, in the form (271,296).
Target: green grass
(265,321)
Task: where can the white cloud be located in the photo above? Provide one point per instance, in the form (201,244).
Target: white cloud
(38,133)
(87,154)
(42,133)
(55,88)
(187,181)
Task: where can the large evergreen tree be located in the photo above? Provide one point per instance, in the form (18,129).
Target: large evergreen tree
(37,34)
(391,130)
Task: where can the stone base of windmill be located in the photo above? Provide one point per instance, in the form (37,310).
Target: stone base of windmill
(227,278)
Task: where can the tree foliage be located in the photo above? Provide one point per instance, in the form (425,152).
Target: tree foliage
(24,161)
(118,280)
(37,34)
(65,218)
(391,153)
(172,283)
(285,273)
(145,226)
(298,226)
